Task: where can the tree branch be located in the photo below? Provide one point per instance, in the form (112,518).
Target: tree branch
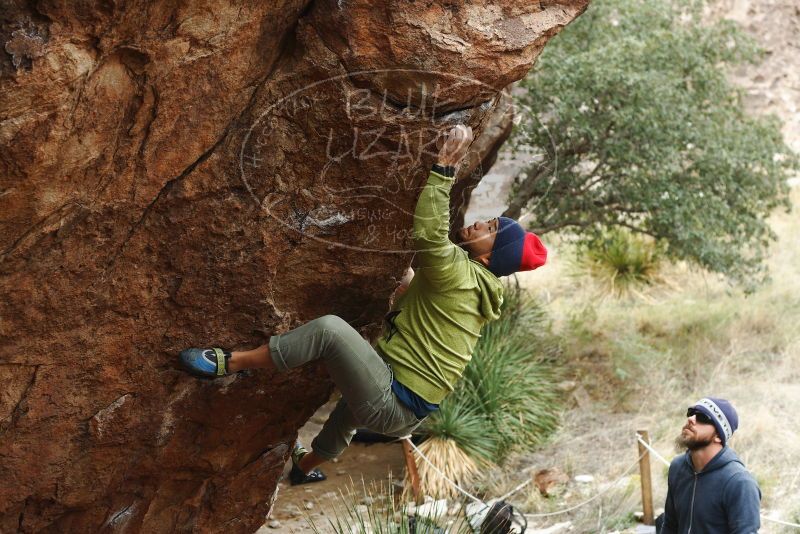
(526,190)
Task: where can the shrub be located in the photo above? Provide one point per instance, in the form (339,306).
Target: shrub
(375,510)
(452,460)
(622,261)
(507,398)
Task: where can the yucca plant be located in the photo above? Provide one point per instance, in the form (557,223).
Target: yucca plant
(507,398)
(451,460)
(460,421)
(383,515)
(622,261)
(511,378)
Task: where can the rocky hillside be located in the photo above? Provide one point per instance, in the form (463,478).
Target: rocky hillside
(772,85)
(175,174)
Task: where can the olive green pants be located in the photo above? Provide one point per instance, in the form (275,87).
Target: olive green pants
(362,376)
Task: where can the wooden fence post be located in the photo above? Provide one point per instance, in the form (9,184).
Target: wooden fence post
(411,466)
(644,471)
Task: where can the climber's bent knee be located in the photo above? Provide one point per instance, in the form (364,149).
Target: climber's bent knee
(331,323)
(328,337)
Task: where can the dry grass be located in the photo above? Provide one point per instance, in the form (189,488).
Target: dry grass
(451,460)
(643,362)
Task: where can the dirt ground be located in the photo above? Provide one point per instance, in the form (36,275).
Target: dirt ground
(377,463)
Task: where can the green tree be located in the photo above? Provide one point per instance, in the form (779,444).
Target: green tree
(635,125)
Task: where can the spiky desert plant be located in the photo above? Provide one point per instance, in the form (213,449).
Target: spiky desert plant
(507,398)
(450,460)
(512,377)
(375,510)
(461,422)
(622,262)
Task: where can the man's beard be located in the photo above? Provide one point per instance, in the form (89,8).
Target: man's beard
(692,443)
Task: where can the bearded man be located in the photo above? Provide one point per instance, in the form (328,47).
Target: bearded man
(709,489)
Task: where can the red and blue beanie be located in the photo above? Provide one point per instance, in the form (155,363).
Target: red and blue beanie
(722,414)
(515,249)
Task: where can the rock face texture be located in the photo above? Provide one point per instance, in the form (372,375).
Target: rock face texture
(178,174)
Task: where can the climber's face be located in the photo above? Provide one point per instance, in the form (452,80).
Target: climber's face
(478,239)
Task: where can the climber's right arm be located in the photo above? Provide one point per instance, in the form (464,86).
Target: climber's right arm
(440,260)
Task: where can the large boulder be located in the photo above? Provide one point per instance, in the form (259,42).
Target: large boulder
(177,174)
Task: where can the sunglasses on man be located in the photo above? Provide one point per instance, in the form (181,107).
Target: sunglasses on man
(699,416)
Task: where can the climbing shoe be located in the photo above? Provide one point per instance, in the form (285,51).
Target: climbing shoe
(206,363)
(296,475)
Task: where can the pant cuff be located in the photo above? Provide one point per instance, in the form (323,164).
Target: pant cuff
(275,354)
(325,454)
(319,451)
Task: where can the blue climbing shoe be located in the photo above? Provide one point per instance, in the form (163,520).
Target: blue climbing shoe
(206,363)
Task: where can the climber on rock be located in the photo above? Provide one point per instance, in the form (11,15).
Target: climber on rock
(430,332)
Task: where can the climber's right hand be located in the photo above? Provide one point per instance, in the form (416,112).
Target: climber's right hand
(454,145)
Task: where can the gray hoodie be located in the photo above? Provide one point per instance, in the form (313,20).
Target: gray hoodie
(723,498)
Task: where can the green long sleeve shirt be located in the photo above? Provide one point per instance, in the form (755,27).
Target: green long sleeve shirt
(433,327)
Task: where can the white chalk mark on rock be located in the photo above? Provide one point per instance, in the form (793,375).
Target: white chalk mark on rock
(168,422)
(103,416)
(121,517)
